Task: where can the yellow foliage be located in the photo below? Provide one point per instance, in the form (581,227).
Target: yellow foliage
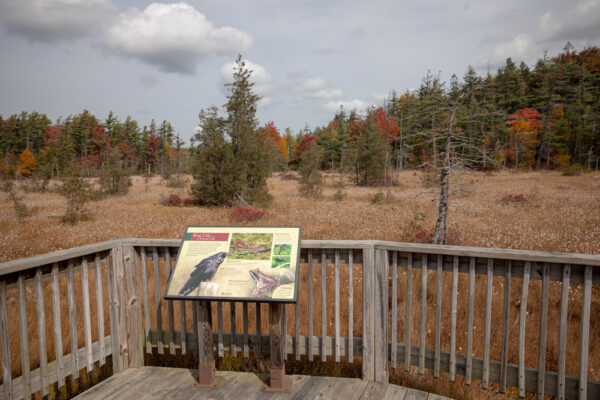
(27,163)
(283,148)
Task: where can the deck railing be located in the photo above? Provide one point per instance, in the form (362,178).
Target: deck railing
(388,305)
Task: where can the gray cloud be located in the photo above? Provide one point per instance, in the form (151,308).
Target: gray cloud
(148,81)
(54,20)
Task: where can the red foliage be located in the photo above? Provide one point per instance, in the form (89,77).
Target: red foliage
(172,201)
(288,176)
(513,198)
(152,148)
(304,144)
(246,214)
(191,202)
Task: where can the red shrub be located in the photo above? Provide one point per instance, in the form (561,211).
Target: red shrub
(191,202)
(513,198)
(245,214)
(172,201)
(288,176)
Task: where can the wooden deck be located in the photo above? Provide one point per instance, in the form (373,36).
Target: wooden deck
(152,383)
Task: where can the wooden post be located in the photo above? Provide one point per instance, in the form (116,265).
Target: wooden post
(277,378)
(126,310)
(206,358)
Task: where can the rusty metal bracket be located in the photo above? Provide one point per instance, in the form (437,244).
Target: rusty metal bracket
(207,377)
(278,381)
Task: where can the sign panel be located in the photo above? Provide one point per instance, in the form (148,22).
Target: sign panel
(247,263)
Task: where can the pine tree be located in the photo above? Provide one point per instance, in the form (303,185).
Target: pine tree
(310,170)
(232,162)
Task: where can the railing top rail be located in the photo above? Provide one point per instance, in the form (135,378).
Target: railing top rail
(508,254)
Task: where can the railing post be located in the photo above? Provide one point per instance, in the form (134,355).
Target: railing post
(125,309)
(368,322)
(381,315)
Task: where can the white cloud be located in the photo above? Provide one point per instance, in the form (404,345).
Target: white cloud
(260,77)
(53,20)
(358,105)
(313,84)
(319,88)
(173,37)
(379,97)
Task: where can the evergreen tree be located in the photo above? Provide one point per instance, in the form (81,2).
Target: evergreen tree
(310,170)
(232,162)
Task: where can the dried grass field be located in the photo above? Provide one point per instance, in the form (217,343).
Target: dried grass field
(555,213)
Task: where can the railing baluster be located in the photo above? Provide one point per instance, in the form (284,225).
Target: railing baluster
(258,331)
(423,314)
(87,321)
(394,354)
(543,330)
(183,324)
(488,324)
(284,325)
(146,301)
(407,332)
(438,316)
(297,326)
(246,344)
(73,319)
(522,322)
(350,307)
(469,370)
(585,331)
(157,301)
(114,331)
(562,336)
(220,347)
(41,317)
(195,322)
(56,320)
(323,305)
(170,304)
(232,346)
(453,320)
(24,338)
(311,354)
(337,305)
(505,323)
(5,340)
(100,310)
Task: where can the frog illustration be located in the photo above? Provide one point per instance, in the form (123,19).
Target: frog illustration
(264,283)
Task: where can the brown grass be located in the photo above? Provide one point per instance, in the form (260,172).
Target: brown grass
(559,214)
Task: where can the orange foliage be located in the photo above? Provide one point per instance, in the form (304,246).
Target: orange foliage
(27,163)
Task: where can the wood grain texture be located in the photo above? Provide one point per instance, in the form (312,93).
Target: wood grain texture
(543,332)
(562,331)
(488,323)
(453,321)
(87,321)
(470,306)
(337,304)
(24,337)
(56,320)
(41,319)
(100,310)
(5,342)
(350,304)
(381,316)
(505,323)
(423,318)
(393,355)
(157,297)
(132,309)
(72,317)
(407,326)
(585,333)
(438,315)
(368,338)
(311,355)
(205,344)
(323,305)
(170,304)
(277,335)
(522,322)
(147,325)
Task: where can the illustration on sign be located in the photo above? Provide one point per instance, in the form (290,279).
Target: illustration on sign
(236,262)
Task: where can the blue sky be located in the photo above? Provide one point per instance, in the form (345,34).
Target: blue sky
(169,60)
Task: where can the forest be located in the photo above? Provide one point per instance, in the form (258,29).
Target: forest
(540,117)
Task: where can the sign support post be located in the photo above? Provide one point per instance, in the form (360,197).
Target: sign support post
(277,333)
(206,357)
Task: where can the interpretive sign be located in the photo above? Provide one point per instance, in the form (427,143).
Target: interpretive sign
(247,263)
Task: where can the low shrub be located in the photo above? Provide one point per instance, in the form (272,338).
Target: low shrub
(288,176)
(191,202)
(575,169)
(388,181)
(513,198)
(247,214)
(174,200)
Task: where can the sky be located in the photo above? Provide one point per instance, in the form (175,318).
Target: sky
(168,60)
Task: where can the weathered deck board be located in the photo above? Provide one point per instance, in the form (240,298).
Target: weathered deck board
(178,383)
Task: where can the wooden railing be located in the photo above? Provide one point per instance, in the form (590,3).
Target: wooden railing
(358,301)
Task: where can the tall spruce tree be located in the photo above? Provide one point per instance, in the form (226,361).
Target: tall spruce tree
(232,163)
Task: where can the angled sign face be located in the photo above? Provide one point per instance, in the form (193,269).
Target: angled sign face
(243,263)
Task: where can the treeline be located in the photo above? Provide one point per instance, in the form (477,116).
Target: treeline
(546,116)
(30,143)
